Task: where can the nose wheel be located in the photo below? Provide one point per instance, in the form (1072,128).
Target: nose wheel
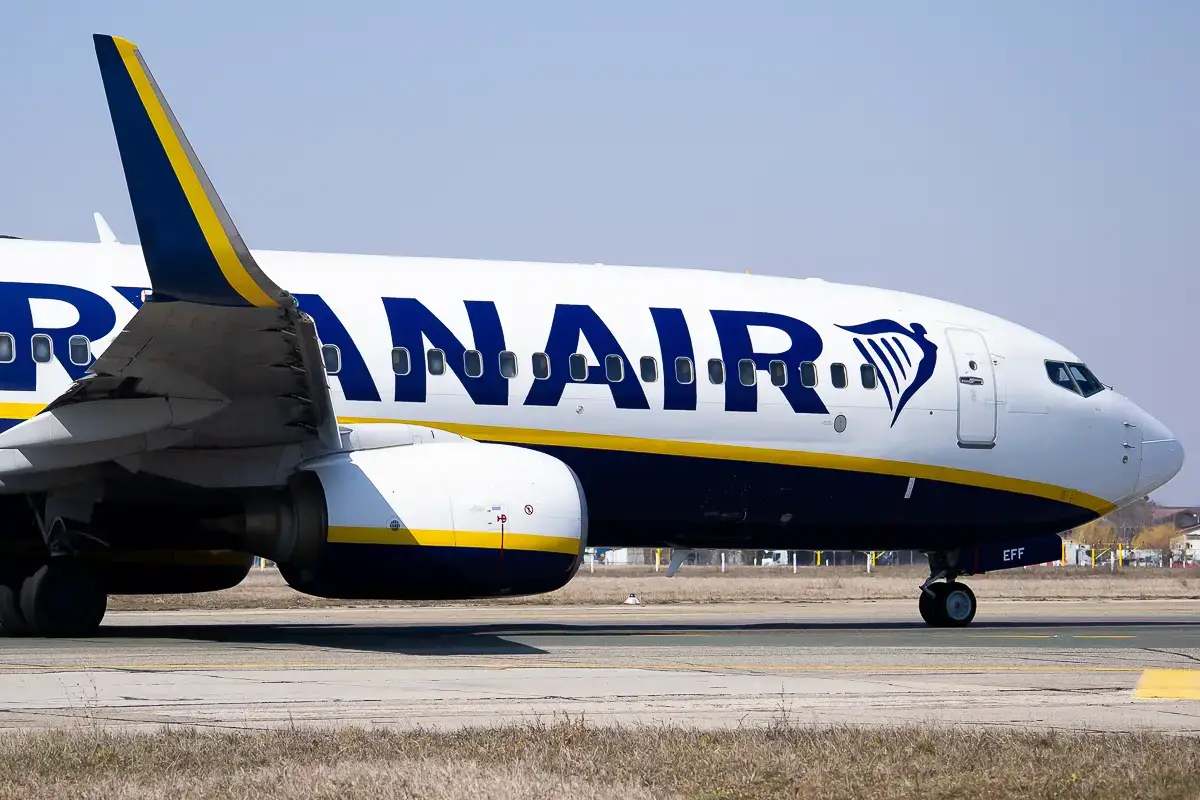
(947,605)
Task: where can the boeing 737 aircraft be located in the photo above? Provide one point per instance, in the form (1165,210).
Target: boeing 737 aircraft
(432,428)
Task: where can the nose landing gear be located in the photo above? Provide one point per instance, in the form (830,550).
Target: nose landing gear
(947,605)
(950,604)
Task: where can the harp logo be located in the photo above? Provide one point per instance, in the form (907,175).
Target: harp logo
(903,358)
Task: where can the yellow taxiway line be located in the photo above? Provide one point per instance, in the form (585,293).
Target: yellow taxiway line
(1168,684)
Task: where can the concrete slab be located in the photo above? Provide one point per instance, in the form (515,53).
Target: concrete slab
(1070,666)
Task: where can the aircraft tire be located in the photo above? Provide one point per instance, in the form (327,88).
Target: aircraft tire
(952,605)
(12,621)
(956,605)
(63,598)
(928,606)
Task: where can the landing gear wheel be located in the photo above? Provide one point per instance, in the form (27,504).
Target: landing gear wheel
(957,607)
(952,605)
(12,621)
(63,598)
(928,605)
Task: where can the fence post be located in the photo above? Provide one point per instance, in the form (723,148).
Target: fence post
(722,561)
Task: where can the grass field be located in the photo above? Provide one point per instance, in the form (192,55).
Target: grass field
(611,584)
(578,761)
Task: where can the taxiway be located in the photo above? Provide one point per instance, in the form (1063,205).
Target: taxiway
(1123,665)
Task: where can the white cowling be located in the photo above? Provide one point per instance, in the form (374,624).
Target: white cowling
(458,494)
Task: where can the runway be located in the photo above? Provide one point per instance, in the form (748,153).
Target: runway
(1123,665)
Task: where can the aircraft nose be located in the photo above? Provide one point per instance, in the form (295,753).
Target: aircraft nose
(1162,456)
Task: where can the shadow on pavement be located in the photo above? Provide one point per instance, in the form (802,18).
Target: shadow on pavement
(522,638)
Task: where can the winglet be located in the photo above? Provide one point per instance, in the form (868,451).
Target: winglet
(103,231)
(193,250)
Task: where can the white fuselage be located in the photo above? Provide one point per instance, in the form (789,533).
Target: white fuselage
(1044,438)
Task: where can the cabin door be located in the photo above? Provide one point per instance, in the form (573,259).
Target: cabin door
(976,382)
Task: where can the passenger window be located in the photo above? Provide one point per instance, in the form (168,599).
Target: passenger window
(473,363)
(614,368)
(508,364)
(867,372)
(683,370)
(579,367)
(808,374)
(747,373)
(716,371)
(8,348)
(436,361)
(778,371)
(332,357)
(401,362)
(1087,382)
(1059,375)
(649,369)
(43,348)
(837,376)
(541,366)
(80,350)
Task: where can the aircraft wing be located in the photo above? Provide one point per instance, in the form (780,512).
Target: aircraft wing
(218,356)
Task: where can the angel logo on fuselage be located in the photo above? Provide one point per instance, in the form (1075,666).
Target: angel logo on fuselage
(901,372)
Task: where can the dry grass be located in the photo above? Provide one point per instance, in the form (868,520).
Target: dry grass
(574,760)
(609,585)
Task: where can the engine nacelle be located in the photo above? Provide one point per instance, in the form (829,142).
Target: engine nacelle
(441,521)
(172,571)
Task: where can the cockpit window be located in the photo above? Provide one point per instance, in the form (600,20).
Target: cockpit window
(1059,375)
(1085,380)
(1076,378)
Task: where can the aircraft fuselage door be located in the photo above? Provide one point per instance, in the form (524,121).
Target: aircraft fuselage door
(976,381)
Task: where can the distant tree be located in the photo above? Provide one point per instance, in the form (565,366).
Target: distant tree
(1095,534)
(1132,519)
(1156,537)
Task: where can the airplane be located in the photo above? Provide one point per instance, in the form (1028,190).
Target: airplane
(424,428)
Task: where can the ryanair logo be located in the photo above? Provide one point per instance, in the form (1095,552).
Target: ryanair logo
(904,358)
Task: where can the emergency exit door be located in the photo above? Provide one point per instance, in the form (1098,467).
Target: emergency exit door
(976,382)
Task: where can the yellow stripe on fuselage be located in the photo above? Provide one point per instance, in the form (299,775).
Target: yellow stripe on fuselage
(488,540)
(760,455)
(214,232)
(724,452)
(21,411)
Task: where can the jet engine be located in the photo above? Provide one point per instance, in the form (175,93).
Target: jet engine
(172,571)
(437,521)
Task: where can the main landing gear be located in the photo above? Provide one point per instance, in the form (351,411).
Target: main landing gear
(58,592)
(59,598)
(945,605)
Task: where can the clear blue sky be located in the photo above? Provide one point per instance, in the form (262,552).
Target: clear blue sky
(1039,161)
